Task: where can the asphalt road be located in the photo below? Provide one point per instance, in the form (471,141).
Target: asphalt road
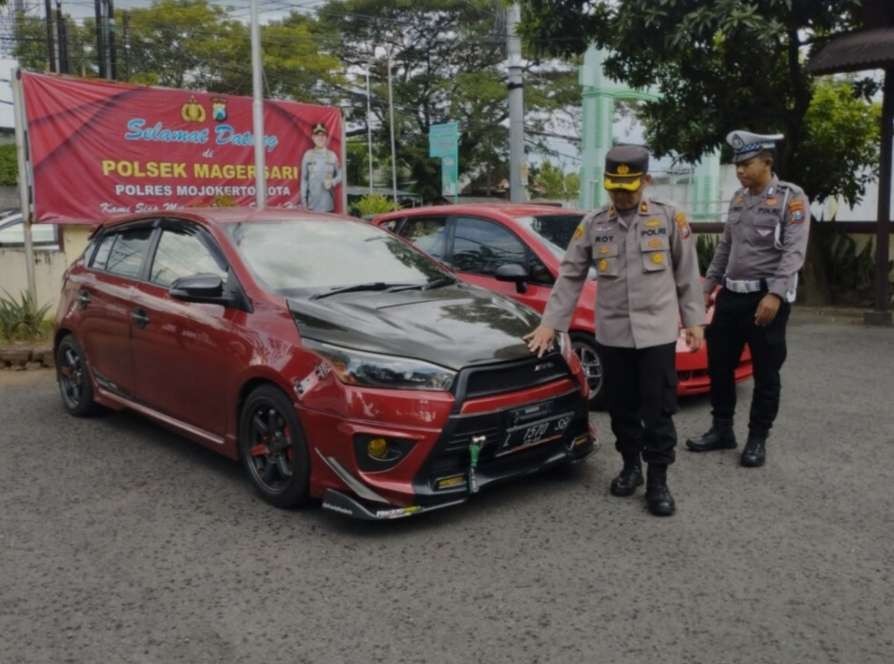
(120,542)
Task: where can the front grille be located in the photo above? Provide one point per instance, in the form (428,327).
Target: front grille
(490,379)
(451,454)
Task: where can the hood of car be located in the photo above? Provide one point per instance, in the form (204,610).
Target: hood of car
(453,326)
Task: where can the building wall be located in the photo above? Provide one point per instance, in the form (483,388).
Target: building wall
(49,266)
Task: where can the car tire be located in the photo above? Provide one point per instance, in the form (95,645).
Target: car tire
(74,378)
(273,447)
(584,346)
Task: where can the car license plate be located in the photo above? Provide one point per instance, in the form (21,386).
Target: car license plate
(535,433)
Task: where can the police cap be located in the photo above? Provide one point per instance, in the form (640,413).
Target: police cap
(625,166)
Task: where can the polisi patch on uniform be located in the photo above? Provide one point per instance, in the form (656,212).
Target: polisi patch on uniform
(602,265)
(657,258)
(654,231)
(603,238)
(655,243)
(682,225)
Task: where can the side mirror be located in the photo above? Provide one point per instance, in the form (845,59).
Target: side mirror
(514,272)
(207,288)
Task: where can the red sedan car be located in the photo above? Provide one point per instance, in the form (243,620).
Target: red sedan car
(333,359)
(515,250)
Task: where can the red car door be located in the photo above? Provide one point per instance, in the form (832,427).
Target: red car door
(182,352)
(480,246)
(105,296)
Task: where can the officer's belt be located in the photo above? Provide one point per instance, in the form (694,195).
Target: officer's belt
(745,285)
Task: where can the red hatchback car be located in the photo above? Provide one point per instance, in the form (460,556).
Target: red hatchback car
(515,250)
(333,359)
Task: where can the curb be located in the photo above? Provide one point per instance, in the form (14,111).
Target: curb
(20,358)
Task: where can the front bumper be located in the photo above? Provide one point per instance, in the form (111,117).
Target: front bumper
(447,476)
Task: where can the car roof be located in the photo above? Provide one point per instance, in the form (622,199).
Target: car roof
(229,215)
(508,209)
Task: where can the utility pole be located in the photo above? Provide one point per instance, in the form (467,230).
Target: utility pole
(125,39)
(369,131)
(62,39)
(110,40)
(391,124)
(517,192)
(51,43)
(258,109)
(100,42)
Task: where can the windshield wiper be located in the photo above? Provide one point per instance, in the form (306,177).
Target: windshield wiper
(370,286)
(428,285)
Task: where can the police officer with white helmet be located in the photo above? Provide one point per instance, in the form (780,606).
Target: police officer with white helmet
(756,267)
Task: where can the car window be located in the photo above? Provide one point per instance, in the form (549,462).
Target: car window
(128,253)
(182,253)
(481,246)
(391,224)
(428,234)
(293,257)
(102,252)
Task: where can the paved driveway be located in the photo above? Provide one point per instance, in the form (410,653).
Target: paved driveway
(120,542)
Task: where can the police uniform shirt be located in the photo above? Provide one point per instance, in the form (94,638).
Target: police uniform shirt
(317,166)
(647,272)
(764,238)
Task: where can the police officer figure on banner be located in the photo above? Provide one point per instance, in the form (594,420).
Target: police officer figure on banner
(320,173)
(647,270)
(756,266)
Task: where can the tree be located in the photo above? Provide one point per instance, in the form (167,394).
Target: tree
(724,65)
(550,181)
(447,64)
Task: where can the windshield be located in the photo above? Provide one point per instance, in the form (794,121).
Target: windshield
(299,256)
(556,230)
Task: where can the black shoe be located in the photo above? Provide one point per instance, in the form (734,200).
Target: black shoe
(630,477)
(719,437)
(658,496)
(755,452)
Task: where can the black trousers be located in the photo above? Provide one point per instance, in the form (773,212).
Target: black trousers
(733,326)
(641,394)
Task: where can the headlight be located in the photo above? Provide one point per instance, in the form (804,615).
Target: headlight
(357,367)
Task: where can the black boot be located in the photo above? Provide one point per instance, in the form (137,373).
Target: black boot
(630,477)
(755,452)
(658,496)
(719,437)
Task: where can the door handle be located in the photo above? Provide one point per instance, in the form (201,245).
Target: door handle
(83,297)
(140,318)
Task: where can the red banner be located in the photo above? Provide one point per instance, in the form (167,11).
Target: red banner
(100,149)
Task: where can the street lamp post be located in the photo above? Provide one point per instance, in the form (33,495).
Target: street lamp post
(391,123)
(258,109)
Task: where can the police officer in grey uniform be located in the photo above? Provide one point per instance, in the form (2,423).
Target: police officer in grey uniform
(320,173)
(647,270)
(756,267)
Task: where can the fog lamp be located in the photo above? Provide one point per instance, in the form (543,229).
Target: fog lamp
(377,448)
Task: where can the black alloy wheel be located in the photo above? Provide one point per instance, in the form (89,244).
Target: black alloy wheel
(584,347)
(73,377)
(272,447)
